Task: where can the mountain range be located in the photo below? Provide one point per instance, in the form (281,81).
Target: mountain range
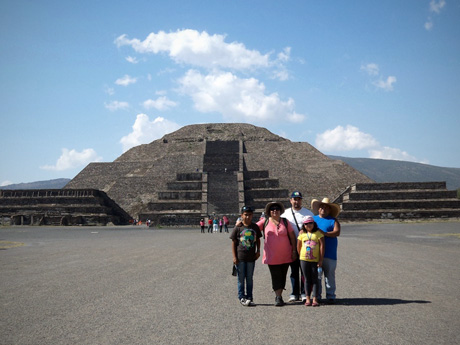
(379,170)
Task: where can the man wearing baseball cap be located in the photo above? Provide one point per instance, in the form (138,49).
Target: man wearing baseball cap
(294,215)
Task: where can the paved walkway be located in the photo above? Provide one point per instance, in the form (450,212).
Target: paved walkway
(397,284)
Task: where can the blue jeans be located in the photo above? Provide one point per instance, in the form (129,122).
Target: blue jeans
(245,273)
(329,266)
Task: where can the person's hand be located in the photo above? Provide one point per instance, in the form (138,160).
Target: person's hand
(294,255)
(257,255)
(320,264)
(235,261)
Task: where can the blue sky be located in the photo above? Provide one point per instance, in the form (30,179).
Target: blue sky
(84,81)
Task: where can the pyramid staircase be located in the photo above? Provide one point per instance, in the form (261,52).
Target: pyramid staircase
(399,201)
(221,189)
(260,189)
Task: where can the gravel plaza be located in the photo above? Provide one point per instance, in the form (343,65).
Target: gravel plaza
(397,283)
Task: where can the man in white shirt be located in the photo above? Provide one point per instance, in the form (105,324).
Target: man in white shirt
(295,215)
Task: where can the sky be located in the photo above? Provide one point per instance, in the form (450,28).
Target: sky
(84,81)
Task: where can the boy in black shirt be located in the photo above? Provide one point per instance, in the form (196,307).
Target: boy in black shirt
(246,250)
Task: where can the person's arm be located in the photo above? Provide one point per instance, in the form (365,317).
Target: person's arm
(292,239)
(335,232)
(257,248)
(299,246)
(321,252)
(235,251)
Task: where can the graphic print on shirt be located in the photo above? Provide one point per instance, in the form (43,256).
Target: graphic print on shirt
(247,238)
(309,248)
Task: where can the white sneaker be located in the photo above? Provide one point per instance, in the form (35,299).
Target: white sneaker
(251,303)
(244,302)
(304,298)
(292,299)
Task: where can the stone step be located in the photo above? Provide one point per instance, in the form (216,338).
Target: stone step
(399,186)
(401,204)
(175,205)
(272,194)
(399,214)
(249,175)
(189,177)
(261,184)
(184,185)
(400,195)
(179,195)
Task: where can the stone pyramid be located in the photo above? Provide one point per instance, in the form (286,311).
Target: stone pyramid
(214,169)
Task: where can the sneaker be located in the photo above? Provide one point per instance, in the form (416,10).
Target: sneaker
(244,302)
(304,298)
(279,301)
(251,303)
(292,298)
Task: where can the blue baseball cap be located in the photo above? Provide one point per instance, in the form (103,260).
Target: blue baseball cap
(296,194)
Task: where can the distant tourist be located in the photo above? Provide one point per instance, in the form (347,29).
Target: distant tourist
(280,247)
(209,225)
(226,223)
(310,245)
(246,250)
(215,225)
(221,224)
(330,226)
(295,215)
(202,225)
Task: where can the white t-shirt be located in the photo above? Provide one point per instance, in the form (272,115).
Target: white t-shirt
(298,217)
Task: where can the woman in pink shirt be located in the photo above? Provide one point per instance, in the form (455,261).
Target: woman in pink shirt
(279,247)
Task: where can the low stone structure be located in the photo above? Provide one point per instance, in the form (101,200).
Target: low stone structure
(398,201)
(59,207)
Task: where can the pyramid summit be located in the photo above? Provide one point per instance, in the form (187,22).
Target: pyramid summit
(214,169)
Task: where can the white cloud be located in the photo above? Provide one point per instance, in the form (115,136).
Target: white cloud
(371,69)
(145,131)
(393,154)
(5,183)
(200,49)
(237,99)
(344,139)
(70,159)
(161,103)
(116,105)
(351,138)
(109,90)
(436,6)
(429,24)
(125,80)
(386,85)
(132,59)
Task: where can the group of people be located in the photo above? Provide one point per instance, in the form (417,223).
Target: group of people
(215,224)
(296,238)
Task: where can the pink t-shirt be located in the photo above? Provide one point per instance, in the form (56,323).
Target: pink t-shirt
(277,245)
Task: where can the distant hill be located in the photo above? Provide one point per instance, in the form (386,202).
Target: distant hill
(383,170)
(50,184)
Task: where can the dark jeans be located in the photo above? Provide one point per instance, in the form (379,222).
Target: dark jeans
(297,283)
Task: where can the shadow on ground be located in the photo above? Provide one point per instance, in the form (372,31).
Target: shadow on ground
(377,301)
